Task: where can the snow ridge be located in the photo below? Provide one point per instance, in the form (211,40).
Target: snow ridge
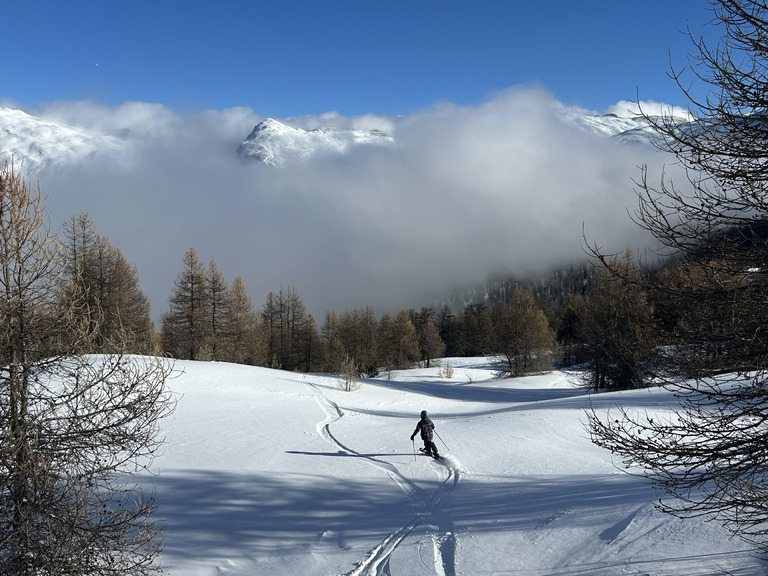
(34,145)
(274,143)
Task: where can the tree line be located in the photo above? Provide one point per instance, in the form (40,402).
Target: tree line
(208,319)
(604,320)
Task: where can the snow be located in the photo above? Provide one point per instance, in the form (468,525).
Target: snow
(277,473)
(38,144)
(273,143)
(35,144)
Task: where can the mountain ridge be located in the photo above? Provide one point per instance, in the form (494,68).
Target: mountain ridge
(273,143)
(34,144)
(37,144)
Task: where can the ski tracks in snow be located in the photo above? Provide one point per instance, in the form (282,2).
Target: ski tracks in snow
(439,553)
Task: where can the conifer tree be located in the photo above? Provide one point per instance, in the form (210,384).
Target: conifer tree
(104,288)
(75,430)
(524,341)
(218,298)
(711,456)
(186,325)
(245,343)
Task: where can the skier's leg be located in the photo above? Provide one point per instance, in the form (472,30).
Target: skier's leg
(433,447)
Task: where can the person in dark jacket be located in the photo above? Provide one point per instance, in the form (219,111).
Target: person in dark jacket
(426,426)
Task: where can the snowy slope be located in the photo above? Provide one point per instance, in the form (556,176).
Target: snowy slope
(274,143)
(34,144)
(275,473)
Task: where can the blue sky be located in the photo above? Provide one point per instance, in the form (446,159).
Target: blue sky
(293,57)
(486,177)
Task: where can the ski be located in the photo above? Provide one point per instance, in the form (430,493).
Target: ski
(438,457)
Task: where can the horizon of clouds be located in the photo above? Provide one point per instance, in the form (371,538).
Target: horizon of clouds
(467,193)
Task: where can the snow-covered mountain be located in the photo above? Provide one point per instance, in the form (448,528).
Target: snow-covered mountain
(34,144)
(273,143)
(623,129)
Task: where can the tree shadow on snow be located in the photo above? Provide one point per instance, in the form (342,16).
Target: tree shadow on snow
(518,400)
(476,392)
(207,513)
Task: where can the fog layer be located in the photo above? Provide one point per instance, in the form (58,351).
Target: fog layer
(504,187)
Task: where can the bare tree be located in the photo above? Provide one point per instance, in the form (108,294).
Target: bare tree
(74,430)
(711,455)
(218,298)
(349,377)
(104,288)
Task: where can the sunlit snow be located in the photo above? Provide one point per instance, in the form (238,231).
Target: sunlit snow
(275,473)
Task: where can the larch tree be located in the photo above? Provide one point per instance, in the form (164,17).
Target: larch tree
(523,339)
(75,430)
(186,325)
(431,345)
(218,298)
(398,341)
(358,332)
(285,321)
(617,328)
(710,457)
(104,288)
(448,329)
(245,342)
(475,330)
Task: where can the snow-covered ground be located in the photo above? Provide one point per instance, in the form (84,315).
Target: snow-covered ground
(275,473)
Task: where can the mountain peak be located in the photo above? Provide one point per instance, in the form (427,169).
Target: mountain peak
(273,143)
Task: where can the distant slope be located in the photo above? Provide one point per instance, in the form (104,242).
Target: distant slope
(34,145)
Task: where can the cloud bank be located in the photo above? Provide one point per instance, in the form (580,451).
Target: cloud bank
(504,187)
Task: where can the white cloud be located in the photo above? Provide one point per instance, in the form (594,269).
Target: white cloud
(628,109)
(467,192)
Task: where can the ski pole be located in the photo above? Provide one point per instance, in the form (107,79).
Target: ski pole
(441,440)
(414,448)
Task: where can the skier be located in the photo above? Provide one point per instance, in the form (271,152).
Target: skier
(425,426)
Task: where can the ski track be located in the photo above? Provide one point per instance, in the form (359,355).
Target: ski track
(442,551)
